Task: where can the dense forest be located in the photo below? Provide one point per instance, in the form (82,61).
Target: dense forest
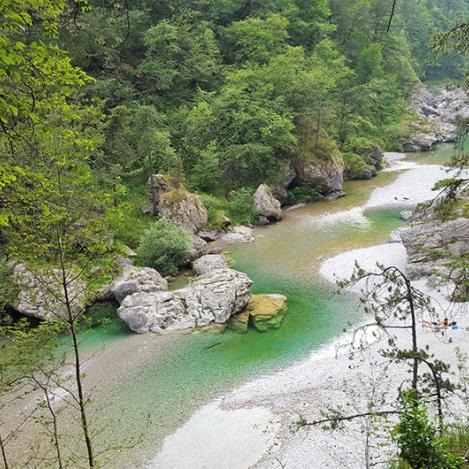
(222,94)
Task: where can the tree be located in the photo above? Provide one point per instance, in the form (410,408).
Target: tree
(396,305)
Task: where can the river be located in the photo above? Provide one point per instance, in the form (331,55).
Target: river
(147,386)
(167,384)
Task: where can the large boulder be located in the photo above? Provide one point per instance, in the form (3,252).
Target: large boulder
(325,176)
(184,209)
(373,155)
(239,234)
(136,279)
(210,299)
(40,293)
(266,204)
(172,201)
(420,141)
(209,263)
(267,311)
(157,185)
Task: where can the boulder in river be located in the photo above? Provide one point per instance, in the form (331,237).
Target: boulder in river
(209,235)
(213,298)
(41,295)
(242,234)
(239,322)
(266,204)
(267,311)
(325,176)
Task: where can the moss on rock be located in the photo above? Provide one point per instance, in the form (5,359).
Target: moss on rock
(267,311)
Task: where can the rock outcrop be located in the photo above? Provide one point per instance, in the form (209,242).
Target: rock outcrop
(437,114)
(213,298)
(157,185)
(210,263)
(325,176)
(427,243)
(40,293)
(267,311)
(184,209)
(134,280)
(174,202)
(266,204)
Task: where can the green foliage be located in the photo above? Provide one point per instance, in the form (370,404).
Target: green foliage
(216,209)
(258,39)
(6,288)
(206,174)
(354,164)
(303,195)
(164,247)
(136,137)
(417,439)
(241,207)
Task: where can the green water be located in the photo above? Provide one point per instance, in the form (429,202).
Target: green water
(167,384)
(441,154)
(171,383)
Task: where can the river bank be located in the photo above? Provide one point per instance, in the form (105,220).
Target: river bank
(323,379)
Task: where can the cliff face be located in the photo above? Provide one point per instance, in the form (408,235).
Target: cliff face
(439,251)
(437,113)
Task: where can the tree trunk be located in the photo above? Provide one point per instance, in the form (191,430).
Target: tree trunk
(76,352)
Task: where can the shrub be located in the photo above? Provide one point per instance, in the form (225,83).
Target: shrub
(6,288)
(165,247)
(216,210)
(241,208)
(417,439)
(303,195)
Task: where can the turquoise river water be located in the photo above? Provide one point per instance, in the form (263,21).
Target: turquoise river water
(152,385)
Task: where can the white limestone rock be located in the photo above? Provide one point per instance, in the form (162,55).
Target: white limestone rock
(209,299)
(209,264)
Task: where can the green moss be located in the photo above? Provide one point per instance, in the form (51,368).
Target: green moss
(355,164)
